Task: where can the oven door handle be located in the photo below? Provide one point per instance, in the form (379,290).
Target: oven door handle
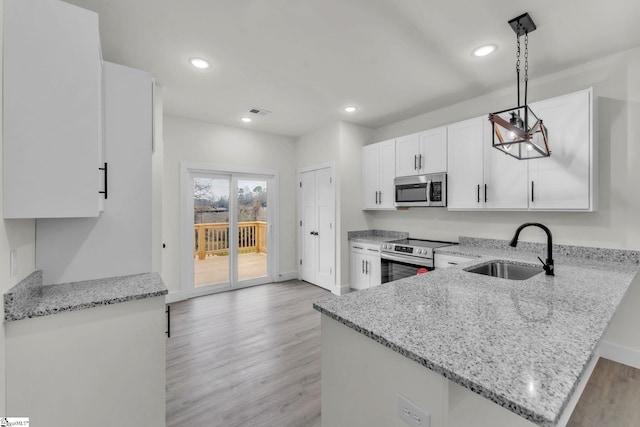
(412,260)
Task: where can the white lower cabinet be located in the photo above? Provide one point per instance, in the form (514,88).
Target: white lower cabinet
(89,367)
(365,265)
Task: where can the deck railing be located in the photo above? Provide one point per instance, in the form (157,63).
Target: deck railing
(213,239)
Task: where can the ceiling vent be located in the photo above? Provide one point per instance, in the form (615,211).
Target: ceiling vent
(260,111)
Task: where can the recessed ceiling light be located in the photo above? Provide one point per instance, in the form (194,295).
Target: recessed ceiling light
(246,119)
(484,50)
(203,64)
(351,109)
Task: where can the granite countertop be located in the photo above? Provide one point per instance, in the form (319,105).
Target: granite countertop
(522,344)
(30,298)
(375,236)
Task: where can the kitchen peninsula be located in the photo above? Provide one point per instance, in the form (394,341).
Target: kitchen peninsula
(498,352)
(81,350)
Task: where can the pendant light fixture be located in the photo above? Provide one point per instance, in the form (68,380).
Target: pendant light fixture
(517,131)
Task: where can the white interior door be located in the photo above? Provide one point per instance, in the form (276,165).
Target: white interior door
(309,249)
(317,227)
(325,234)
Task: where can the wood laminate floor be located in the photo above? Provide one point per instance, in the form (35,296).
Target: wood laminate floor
(251,357)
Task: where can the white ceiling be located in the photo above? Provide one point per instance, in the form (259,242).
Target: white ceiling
(306,59)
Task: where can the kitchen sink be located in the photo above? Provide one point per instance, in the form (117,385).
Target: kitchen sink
(506,270)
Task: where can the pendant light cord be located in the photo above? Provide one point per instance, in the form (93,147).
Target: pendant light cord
(526,66)
(518,67)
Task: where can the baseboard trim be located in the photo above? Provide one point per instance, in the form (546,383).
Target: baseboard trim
(288,275)
(620,354)
(344,289)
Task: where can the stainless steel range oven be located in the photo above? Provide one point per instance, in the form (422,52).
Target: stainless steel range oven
(404,258)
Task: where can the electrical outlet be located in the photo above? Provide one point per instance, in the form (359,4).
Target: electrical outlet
(411,413)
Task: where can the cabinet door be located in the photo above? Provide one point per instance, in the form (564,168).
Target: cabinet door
(465,164)
(433,147)
(74,249)
(408,155)
(52,110)
(505,178)
(386,197)
(358,276)
(370,176)
(375,269)
(563,181)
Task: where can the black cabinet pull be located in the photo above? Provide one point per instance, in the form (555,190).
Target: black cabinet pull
(478,193)
(168,311)
(380,197)
(106,187)
(485,193)
(532,194)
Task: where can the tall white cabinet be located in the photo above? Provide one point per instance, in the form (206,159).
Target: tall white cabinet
(119,241)
(379,171)
(52,104)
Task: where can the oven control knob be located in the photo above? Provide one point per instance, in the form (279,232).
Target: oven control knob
(419,251)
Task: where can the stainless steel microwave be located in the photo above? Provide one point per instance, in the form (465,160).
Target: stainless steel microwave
(421,190)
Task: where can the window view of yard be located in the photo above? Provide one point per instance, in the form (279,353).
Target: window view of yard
(211,230)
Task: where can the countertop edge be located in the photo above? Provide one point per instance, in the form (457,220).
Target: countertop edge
(21,305)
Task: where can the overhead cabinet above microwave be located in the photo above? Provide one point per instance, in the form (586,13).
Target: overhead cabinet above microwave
(422,153)
(52,121)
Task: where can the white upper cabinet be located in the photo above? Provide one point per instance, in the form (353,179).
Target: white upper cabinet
(421,153)
(378,173)
(465,164)
(52,110)
(505,178)
(407,155)
(481,177)
(567,180)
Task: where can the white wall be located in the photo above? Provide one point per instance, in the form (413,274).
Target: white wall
(352,139)
(157,166)
(18,235)
(187,140)
(616,82)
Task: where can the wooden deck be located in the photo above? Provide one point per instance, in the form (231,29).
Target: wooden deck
(215,269)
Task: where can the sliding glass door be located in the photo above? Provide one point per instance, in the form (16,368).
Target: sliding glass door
(231,230)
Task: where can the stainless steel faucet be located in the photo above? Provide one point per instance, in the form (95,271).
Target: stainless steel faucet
(547,266)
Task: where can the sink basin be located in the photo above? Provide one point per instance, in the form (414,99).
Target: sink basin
(506,270)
